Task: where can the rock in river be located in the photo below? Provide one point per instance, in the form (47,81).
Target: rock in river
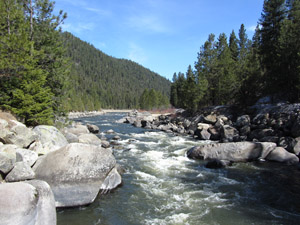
(76,172)
(234,152)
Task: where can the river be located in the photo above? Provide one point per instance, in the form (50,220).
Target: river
(162,186)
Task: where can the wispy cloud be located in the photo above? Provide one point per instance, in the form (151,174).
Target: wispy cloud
(136,53)
(78,28)
(252,28)
(100,12)
(100,45)
(148,23)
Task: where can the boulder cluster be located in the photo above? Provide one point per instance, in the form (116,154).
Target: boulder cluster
(277,125)
(44,168)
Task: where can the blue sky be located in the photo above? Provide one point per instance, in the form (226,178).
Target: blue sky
(162,35)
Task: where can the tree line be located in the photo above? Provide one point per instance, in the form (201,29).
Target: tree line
(151,99)
(239,70)
(45,72)
(101,81)
(32,63)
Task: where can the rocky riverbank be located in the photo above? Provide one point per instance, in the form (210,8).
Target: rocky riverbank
(45,168)
(275,125)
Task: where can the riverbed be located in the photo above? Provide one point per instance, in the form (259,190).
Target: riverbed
(162,186)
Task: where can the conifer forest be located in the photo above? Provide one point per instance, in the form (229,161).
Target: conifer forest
(45,72)
(237,70)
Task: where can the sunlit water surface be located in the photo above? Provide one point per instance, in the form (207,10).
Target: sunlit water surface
(162,186)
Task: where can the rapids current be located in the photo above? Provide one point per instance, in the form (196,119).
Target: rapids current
(162,186)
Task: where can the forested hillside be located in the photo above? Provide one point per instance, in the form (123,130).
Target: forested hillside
(98,80)
(237,70)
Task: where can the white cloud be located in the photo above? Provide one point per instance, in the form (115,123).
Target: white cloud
(100,12)
(136,53)
(148,23)
(100,45)
(252,28)
(77,28)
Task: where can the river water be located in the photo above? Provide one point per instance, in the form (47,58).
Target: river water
(162,186)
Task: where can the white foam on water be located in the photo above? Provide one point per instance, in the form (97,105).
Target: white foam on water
(180,218)
(145,176)
(215,198)
(106,124)
(225,180)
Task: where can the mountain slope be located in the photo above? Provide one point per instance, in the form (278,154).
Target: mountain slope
(98,80)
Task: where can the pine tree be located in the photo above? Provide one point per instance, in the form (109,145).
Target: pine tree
(45,34)
(191,91)
(272,18)
(173,94)
(206,69)
(289,53)
(226,85)
(23,82)
(233,46)
(252,82)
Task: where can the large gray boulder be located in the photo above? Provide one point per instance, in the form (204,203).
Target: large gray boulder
(26,155)
(112,180)
(3,129)
(46,204)
(93,128)
(7,157)
(234,152)
(279,154)
(71,138)
(243,121)
(78,129)
(18,134)
(50,139)
(89,139)
(21,171)
(229,133)
(26,204)
(75,172)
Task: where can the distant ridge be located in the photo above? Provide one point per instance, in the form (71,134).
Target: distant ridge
(98,80)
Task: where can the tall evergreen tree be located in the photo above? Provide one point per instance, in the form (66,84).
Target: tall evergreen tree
(23,88)
(206,68)
(289,53)
(226,81)
(45,34)
(191,91)
(233,46)
(173,94)
(272,18)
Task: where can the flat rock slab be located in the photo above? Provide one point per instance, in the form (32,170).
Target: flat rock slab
(75,172)
(233,151)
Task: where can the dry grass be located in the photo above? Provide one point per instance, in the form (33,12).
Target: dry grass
(8,117)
